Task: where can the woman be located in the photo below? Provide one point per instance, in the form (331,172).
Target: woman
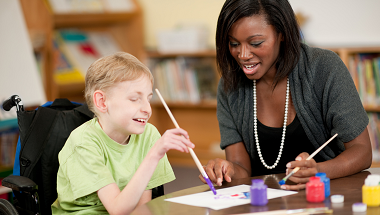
(279,100)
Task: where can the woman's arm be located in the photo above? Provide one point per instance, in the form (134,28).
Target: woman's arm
(237,165)
(356,157)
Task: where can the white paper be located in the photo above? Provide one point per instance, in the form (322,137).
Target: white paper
(209,200)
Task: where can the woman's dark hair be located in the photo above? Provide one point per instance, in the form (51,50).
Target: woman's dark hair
(279,14)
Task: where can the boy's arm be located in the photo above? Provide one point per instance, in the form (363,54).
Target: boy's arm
(125,201)
(145,197)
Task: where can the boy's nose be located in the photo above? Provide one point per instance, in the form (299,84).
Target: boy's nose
(146,108)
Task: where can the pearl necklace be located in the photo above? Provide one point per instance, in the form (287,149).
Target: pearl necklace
(255,126)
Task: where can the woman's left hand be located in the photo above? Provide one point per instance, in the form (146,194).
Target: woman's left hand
(308,168)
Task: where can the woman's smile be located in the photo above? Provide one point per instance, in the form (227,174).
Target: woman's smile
(250,69)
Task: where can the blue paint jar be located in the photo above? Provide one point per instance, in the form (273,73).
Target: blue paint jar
(326,181)
(258,192)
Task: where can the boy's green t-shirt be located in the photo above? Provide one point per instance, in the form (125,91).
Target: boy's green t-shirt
(90,160)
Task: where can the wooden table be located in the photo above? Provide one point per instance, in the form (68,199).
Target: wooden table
(349,186)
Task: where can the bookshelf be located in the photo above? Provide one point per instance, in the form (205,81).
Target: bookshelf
(197,117)
(126,28)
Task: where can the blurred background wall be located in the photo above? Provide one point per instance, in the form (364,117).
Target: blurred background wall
(328,22)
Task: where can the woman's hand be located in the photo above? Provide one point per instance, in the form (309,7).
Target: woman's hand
(356,157)
(308,168)
(218,170)
(237,165)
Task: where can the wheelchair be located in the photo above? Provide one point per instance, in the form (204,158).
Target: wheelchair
(42,134)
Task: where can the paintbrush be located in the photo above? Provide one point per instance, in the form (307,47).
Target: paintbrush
(195,158)
(282,182)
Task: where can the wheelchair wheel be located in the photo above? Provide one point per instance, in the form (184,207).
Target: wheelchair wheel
(6,208)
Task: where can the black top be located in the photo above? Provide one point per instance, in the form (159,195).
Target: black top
(295,143)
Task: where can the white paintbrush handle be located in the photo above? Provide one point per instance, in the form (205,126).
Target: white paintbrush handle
(321,147)
(192,153)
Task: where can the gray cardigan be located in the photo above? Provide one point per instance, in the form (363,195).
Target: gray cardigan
(324,96)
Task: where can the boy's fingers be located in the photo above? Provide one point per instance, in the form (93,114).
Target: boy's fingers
(189,143)
(182,132)
(178,147)
(178,132)
(185,147)
(181,140)
(185,138)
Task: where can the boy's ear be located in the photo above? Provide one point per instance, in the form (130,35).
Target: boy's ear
(99,98)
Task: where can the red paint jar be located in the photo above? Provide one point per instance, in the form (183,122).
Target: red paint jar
(315,190)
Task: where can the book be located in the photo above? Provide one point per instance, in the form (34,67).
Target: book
(374,134)
(371,88)
(376,74)
(206,78)
(76,50)
(65,71)
(362,83)
(352,68)
(8,143)
(185,79)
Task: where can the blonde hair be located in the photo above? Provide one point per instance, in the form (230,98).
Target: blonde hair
(108,70)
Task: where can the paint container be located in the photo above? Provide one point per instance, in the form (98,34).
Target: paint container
(325,181)
(315,190)
(337,198)
(337,201)
(359,207)
(258,193)
(371,191)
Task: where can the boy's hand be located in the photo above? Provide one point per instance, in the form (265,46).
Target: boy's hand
(176,138)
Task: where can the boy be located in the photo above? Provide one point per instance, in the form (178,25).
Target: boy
(110,163)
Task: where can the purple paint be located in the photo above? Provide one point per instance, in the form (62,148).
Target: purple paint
(258,192)
(210,184)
